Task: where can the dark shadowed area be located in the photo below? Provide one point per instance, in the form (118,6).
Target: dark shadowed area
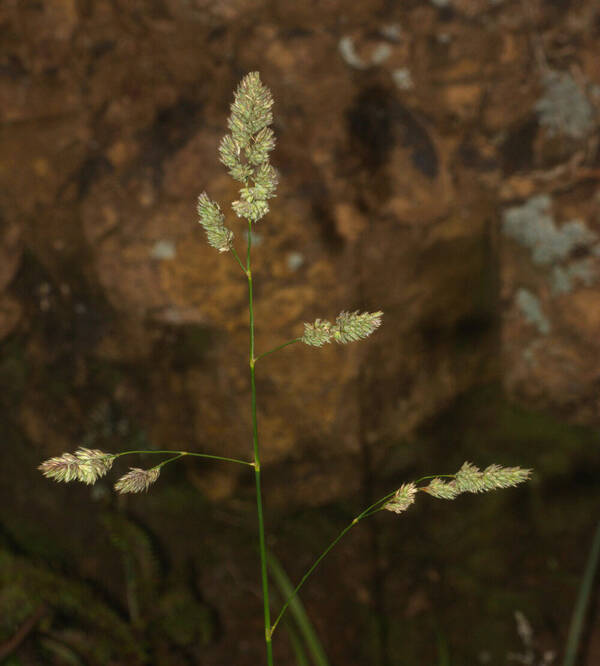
(439,160)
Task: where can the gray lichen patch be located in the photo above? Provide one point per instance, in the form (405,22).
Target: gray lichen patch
(379,53)
(533,226)
(295,260)
(391,31)
(402,78)
(349,53)
(564,108)
(163,250)
(530,306)
(583,271)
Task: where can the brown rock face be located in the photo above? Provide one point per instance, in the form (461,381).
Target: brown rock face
(551,323)
(390,159)
(438,161)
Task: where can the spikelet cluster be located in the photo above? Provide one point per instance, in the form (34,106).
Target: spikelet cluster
(317,334)
(211,219)
(137,480)
(470,479)
(442,489)
(352,326)
(245,152)
(85,465)
(404,497)
(348,327)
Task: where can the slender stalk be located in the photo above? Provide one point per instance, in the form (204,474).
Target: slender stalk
(285,344)
(259,507)
(330,547)
(308,573)
(237,258)
(188,453)
(168,460)
(369,511)
(434,476)
(583,599)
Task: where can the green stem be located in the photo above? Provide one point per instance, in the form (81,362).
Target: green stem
(259,507)
(285,344)
(237,258)
(583,599)
(308,573)
(188,453)
(435,476)
(332,545)
(164,462)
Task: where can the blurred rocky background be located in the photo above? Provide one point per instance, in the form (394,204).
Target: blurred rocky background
(438,161)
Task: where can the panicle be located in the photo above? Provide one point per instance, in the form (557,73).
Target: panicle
(211,218)
(85,465)
(404,497)
(137,480)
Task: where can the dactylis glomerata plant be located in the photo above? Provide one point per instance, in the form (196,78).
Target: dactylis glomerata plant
(245,152)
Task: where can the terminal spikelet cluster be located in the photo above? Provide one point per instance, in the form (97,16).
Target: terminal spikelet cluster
(245,152)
